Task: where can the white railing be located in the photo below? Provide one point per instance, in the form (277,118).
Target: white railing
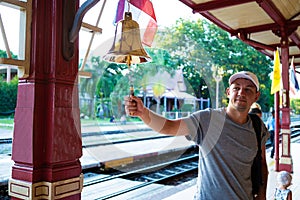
(175,115)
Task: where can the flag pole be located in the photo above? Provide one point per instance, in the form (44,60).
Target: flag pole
(276,131)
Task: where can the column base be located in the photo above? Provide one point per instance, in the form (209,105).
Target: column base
(285,164)
(45,190)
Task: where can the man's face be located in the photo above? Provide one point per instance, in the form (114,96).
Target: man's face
(242,93)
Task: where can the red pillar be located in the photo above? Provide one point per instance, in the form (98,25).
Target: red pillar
(285,162)
(47,136)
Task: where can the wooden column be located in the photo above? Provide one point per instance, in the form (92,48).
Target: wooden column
(285,161)
(47,135)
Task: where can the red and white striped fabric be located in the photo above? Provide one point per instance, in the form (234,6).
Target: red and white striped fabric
(143,13)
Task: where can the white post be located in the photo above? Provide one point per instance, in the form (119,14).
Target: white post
(8,74)
(217,75)
(217,93)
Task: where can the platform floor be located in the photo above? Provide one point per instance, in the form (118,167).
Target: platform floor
(113,155)
(91,157)
(295,187)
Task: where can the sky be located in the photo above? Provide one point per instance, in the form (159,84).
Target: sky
(167,12)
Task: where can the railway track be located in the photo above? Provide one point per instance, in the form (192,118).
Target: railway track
(295,132)
(143,177)
(101,142)
(96,141)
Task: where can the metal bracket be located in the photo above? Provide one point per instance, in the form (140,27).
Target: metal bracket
(72,23)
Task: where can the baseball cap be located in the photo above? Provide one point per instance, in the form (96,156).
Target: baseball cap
(246,75)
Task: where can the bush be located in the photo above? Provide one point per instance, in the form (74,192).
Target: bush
(8,96)
(295,106)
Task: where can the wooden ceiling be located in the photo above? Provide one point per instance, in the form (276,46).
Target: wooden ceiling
(259,23)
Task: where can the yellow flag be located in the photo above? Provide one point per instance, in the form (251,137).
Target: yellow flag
(276,73)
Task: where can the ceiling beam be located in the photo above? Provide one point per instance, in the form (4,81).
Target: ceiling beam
(291,25)
(269,7)
(258,45)
(297,65)
(291,44)
(295,38)
(189,3)
(295,56)
(219,4)
(266,53)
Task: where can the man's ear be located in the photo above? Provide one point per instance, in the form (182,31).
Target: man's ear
(257,96)
(227,92)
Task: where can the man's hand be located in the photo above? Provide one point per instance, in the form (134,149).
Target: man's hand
(134,106)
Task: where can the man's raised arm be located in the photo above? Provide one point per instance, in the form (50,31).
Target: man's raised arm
(135,107)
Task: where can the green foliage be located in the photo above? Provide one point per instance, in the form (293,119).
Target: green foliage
(161,62)
(196,46)
(3,54)
(107,88)
(8,96)
(112,81)
(110,77)
(295,106)
(102,83)
(193,46)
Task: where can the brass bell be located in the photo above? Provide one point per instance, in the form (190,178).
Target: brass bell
(128,48)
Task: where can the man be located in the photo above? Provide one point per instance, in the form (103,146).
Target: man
(271,127)
(226,138)
(256,109)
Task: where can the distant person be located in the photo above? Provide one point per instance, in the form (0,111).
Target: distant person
(271,128)
(112,119)
(256,109)
(284,180)
(123,119)
(226,138)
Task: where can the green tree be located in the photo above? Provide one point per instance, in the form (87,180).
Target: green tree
(295,105)
(161,62)
(8,96)
(102,82)
(198,45)
(8,91)
(3,54)
(140,75)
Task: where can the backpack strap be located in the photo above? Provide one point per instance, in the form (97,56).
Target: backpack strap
(256,175)
(256,122)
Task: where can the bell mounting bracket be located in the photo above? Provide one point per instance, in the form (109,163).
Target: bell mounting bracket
(72,21)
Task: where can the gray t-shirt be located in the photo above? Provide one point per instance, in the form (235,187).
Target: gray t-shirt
(226,153)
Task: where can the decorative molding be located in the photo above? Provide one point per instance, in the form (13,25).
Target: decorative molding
(45,190)
(287,131)
(285,145)
(285,160)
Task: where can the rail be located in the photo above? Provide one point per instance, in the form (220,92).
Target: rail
(171,169)
(295,131)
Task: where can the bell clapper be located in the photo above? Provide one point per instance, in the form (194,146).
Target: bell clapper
(131,88)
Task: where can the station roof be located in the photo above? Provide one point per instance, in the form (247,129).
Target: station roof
(259,23)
